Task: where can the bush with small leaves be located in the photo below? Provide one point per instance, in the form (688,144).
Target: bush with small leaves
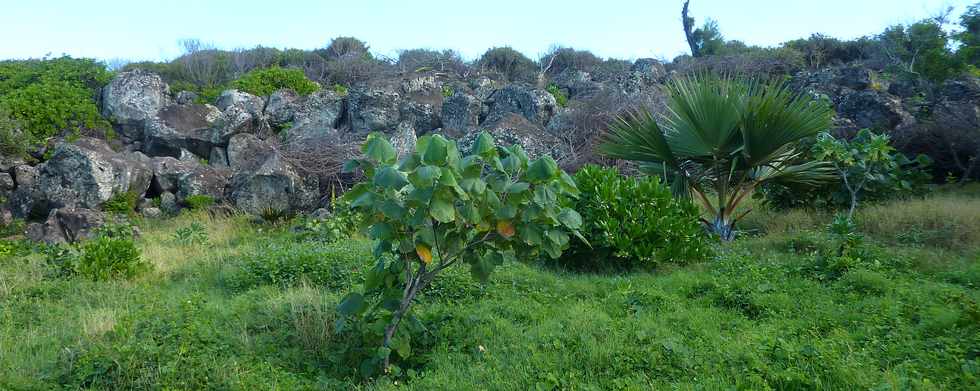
(263,82)
(436,209)
(633,223)
(122,203)
(191,235)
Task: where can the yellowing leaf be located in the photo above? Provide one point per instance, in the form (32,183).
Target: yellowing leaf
(505,228)
(425,254)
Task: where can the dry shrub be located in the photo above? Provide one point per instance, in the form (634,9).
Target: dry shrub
(323,157)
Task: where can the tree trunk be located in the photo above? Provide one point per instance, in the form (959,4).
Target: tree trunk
(408,297)
(722,227)
(689,30)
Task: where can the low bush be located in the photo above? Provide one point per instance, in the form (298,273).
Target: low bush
(191,235)
(123,203)
(13,140)
(633,223)
(111,254)
(560,98)
(263,82)
(510,63)
(199,201)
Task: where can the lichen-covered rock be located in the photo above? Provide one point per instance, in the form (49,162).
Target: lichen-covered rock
(373,110)
(167,171)
(178,127)
(535,105)
(423,117)
(316,116)
(404,139)
(234,98)
(203,180)
(247,152)
(577,83)
(275,185)
(6,182)
(132,98)
(87,173)
(460,113)
(650,67)
(512,129)
(168,203)
(281,107)
(855,78)
(426,84)
(66,225)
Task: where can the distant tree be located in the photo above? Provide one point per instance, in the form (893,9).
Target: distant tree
(705,40)
(512,64)
(921,48)
(345,47)
(969,51)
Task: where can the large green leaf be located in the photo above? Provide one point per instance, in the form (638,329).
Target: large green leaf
(484,146)
(352,304)
(379,149)
(437,151)
(442,210)
(570,218)
(390,178)
(543,169)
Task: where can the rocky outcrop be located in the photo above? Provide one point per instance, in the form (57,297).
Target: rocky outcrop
(247,152)
(243,100)
(66,225)
(273,186)
(460,113)
(132,98)
(167,171)
(373,110)
(537,106)
(204,181)
(511,129)
(316,116)
(182,127)
(87,173)
(281,107)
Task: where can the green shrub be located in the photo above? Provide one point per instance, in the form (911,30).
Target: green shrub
(124,203)
(199,201)
(340,89)
(511,63)
(263,82)
(633,223)
(560,96)
(111,254)
(51,96)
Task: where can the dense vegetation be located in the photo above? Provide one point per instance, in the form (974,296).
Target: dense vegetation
(256,310)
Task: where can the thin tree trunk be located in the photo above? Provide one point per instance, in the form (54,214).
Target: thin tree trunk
(688,23)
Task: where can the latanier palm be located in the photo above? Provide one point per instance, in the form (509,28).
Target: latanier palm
(720,139)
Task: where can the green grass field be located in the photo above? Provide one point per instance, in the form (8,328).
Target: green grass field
(252,308)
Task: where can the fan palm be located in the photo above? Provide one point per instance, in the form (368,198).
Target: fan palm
(723,137)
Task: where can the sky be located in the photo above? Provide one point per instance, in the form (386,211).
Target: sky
(149,29)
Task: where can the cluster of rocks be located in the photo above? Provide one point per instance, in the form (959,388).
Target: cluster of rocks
(171,148)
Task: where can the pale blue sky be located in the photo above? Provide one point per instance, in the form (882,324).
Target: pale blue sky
(149,30)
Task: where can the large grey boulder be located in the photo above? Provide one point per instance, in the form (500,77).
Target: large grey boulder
(246,152)
(235,98)
(533,104)
(316,116)
(181,127)
(650,67)
(204,181)
(404,139)
(423,117)
(168,170)
(460,113)
(578,84)
(87,173)
(873,110)
(373,110)
(66,225)
(237,119)
(275,185)
(281,107)
(513,129)
(132,98)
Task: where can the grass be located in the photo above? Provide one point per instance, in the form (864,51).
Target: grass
(251,308)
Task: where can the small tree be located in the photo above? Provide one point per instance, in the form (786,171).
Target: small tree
(435,209)
(865,158)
